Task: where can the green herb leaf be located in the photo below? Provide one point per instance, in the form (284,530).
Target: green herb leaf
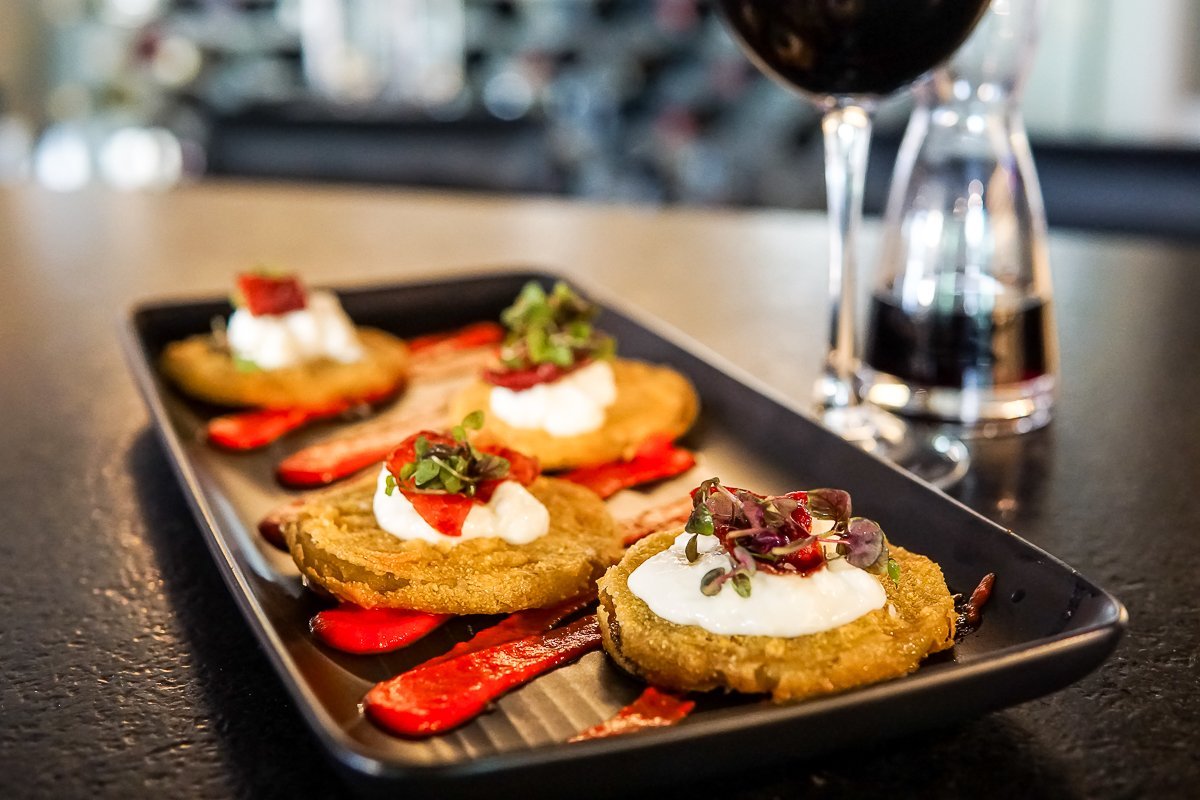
(691,550)
(551,329)
(427,470)
(711,583)
(893,570)
(244,364)
(700,521)
(741,584)
(389,485)
(454,467)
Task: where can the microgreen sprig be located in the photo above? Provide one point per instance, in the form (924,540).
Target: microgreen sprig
(772,531)
(554,328)
(452,468)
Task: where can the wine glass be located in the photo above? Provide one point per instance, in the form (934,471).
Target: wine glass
(845,56)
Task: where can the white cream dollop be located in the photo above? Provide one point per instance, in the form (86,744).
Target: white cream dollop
(573,404)
(274,341)
(512,514)
(778,605)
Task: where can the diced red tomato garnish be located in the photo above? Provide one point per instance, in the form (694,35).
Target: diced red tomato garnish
(446,512)
(518,379)
(267,294)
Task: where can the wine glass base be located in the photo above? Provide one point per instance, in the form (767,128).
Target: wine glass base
(928,453)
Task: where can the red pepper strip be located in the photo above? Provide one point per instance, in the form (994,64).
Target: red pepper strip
(477,334)
(657,458)
(434,698)
(353,629)
(652,709)
(515,626)
(247,430)
(329,461)
(670,516)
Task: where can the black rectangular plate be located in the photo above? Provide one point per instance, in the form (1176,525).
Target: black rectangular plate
(1045,627)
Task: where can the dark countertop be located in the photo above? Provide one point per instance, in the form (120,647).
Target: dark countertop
(128,670)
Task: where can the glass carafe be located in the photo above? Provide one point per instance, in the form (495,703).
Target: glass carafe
(961,326)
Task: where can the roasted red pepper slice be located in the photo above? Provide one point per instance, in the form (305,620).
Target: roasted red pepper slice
(267,294)
(325,462)
(656,459)
(248,430)
(434,698)
(654,708)
(517,625)
(478,334)
(671,516)
(353,629)
(446,512)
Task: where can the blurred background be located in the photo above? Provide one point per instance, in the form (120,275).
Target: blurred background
(645,101)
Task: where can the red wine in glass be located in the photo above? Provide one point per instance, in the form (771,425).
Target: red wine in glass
(843,48)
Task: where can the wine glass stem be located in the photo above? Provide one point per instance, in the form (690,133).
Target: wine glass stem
(847,132)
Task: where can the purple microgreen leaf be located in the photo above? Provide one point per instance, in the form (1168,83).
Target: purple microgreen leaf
(831,504)
(752,509)
(744,559)
(765,540)
(865,545)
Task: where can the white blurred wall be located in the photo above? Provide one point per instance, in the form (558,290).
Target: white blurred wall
(1123,70)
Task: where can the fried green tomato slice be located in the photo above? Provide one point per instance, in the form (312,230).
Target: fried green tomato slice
(650,400)
(918,619)
(337,544)
(205,371)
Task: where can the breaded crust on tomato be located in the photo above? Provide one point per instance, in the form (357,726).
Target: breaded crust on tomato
(650,400)
(889,642)
(336,543)
(206,371)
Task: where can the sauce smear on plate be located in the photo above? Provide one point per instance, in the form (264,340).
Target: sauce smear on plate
(653,708)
